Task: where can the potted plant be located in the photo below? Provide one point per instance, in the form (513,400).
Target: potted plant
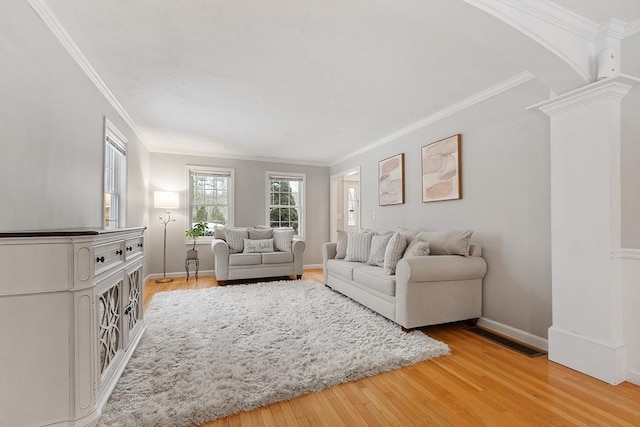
(196,231)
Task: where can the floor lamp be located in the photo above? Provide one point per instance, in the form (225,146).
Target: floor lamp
(165,200)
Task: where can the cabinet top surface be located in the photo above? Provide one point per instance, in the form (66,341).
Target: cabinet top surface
(67,232)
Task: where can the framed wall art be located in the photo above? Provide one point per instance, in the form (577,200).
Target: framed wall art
(391,180)
(441,170)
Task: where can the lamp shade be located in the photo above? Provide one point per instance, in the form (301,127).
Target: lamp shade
(166,200)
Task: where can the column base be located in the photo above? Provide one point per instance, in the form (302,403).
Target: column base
(601,360)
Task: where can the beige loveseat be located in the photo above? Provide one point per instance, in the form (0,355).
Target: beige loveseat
(444,286)
(250,253)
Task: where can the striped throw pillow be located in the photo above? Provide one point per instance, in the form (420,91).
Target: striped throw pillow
(282,239)
(358,246)
(393,253)
(235,239)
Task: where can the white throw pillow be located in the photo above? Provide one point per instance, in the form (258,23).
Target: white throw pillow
(416,248)
(282,239)
(378,248)
(258,246)
(235,239)
(358,246)
(393,253)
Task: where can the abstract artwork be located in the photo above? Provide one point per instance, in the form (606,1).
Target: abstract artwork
(441,170)
(391,180)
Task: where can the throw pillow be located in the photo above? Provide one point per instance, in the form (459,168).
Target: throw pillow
(341,246)
(358,246)
(218,232)
(258,246)
(235,239)
(378,248)
(282,239)
(416,248)
(454,242)
(395,248)
(260,233)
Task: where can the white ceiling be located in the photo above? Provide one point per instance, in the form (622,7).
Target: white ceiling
(300,81)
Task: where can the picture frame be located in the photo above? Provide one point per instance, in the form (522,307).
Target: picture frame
(441,170)
(391,180)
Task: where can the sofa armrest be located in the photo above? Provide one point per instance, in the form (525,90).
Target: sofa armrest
(329,251)
(221,259)
(297,247)
(437,268)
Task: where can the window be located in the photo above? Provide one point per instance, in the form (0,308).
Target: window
(285,200)
(115,176)
(210,196)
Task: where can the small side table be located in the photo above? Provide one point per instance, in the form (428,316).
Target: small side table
(188,261)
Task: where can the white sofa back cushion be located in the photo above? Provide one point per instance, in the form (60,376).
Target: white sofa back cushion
(454,242)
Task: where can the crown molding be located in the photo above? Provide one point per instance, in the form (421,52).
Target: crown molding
(200,153)
(47,16)
(632,28)
(556,15)
(609,88)
(488,93)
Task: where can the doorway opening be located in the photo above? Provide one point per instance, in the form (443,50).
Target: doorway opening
(345,202)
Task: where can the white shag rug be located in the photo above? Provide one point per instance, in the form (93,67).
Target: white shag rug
(213,352)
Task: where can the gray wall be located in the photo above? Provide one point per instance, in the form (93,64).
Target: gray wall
(630,149)
(52,134)
(169,173)
(506,193)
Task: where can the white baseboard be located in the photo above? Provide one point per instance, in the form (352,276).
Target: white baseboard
(311,266)
(596,358)
(513,333)
(179,274)
(633,376)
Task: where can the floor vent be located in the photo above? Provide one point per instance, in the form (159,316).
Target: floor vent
(506,342)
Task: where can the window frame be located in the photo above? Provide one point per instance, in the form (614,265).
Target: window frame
(297,176)
(230,198)
(115,139)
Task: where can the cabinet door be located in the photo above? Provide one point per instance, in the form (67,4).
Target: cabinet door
(133,300)
(110,322)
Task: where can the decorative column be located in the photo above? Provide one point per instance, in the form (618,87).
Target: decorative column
(587,329)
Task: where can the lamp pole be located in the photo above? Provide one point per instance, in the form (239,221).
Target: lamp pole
(165,221)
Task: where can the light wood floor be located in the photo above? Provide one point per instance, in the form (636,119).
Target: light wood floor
(480,384)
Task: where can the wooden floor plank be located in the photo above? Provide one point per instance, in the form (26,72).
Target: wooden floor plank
(481,383)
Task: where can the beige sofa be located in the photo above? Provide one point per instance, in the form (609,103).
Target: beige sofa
(284,261)
(425,290)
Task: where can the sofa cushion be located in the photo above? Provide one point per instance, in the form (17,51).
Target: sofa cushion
(282,239)
(260,233)
(452,242)
(378,247)
(393,253)
(235,239)
(342,269)
(245,259)
(277,257)
(257,246)
(358,246)
(218,232)
(416,248)
(341,246)
(375,278)
(408,233)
